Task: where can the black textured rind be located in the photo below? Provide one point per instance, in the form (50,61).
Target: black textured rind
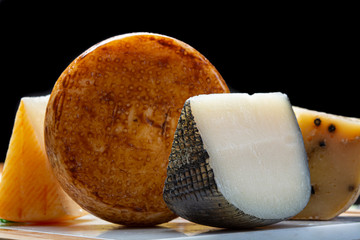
(190,189)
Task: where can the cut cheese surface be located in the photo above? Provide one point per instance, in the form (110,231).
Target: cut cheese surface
(29,191)
(332,144)
(1,169)
(237,160)
(256,135)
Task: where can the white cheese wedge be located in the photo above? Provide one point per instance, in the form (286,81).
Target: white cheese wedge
(237,161)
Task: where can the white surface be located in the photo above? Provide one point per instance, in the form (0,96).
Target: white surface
(256,151)
(343,227)
(35,108)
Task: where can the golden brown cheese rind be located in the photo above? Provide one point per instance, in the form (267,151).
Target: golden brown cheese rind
(111,119)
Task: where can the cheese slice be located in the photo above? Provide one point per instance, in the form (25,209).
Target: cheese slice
(332,144)
(29,191)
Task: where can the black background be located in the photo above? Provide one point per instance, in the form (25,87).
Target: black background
(307,52)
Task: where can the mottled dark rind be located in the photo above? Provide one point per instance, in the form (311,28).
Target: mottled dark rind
(190,188)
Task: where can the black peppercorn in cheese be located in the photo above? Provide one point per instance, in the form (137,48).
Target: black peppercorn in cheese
(332,144)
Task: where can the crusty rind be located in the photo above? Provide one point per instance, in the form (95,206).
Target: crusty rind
(190,189)
(111,119)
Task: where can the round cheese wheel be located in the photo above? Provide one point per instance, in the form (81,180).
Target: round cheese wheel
(111,119)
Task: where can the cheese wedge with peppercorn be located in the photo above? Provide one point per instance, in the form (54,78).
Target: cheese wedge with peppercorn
(332,144)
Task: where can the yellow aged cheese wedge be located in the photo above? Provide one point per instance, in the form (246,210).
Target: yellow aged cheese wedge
(333,147)
(29,191)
